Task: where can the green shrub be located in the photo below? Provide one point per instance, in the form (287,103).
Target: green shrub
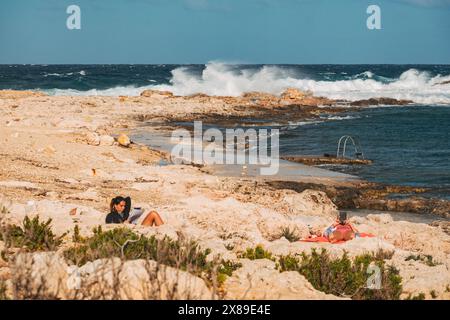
(289,235)
(33,235)
(426,259)
(420,296)
(228,267)
(288,263)
(3,209)
(383,255)
(76,237)
(256,253)
(3,295)
(342,276)
(124,243)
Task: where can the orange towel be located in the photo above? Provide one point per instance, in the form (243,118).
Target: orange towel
(325,239)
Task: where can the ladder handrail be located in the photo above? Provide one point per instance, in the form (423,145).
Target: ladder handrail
(355,145)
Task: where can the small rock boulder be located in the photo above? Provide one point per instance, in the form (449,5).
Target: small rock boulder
(106,140)
(310,203)
(155,93)
(124,140)
(293,94)
(92,138)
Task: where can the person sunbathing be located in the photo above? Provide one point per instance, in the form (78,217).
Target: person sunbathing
(341,230)
(120,213)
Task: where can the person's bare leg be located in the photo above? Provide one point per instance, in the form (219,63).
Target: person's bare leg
(332,237)
(336,236)
(152,218)
(349,235)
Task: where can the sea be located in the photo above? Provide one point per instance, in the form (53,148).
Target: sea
(409,145)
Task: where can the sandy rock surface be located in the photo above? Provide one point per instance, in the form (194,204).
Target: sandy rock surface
(60,160)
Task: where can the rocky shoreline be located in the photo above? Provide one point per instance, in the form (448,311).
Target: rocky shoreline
(254,107)
(64,157)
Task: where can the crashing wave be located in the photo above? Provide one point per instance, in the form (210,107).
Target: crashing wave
(220,79)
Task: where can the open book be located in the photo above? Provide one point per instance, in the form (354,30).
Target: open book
(135,213)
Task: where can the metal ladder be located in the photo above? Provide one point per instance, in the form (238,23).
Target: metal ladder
(358,150)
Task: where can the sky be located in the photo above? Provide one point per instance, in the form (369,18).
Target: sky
(235,31)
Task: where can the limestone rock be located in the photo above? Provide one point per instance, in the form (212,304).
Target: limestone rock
(90,195)
(380,101)
(421,278)
(416,237)
(16,94)
(310,203)
(381,218)
(58,211)
(49,149)
(271,225)
(93,139)
(19,184)
(52,195)
(106,140)
(41,272)
(259,279)
(145,186)
(293,94)
(156,93)
(140,279)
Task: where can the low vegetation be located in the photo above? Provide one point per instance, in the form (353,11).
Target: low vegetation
(289,234)
(419,296)
(3,209)
(33,235)
(226,269)
(344,276)
(3,294)
(433,294)
(124,243)
(426,259)
(256,253)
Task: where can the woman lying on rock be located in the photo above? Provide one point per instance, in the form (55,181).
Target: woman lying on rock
(341,230)
(120,213)
(338,232)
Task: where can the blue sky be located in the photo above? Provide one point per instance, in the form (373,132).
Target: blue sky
(242,31)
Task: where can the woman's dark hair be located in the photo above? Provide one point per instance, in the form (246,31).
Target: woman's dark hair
(342,217)
(115,201)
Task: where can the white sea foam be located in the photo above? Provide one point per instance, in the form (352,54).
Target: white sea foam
(226,80)
(116,91)
(82,73)
(341,117)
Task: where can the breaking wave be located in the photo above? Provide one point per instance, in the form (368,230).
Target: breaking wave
(81,73)
(220,79)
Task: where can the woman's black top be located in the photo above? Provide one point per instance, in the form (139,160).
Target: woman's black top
(114,217)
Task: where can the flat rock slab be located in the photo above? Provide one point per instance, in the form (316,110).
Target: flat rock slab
(18,184)
(317,160)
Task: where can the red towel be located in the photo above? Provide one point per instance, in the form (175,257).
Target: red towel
(325,239)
